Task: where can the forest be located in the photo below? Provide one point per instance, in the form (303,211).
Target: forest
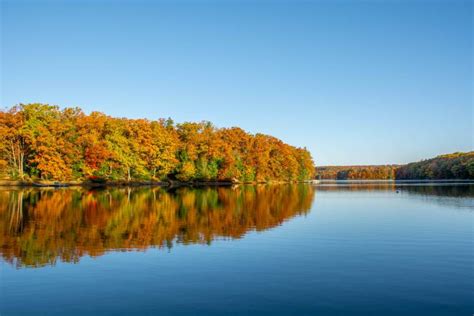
(450,166)
(44,142)
(356,172)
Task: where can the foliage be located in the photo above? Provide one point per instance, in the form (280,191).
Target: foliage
(450,166)
(357,172)
(41,141)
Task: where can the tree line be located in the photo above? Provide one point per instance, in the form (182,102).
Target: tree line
(41,141)
(451,166)
(384,172)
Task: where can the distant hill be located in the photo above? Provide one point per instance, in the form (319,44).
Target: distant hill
(450,166)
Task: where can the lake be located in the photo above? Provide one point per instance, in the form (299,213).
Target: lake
(351,249)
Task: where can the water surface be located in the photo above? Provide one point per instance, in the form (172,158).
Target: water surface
(355,249)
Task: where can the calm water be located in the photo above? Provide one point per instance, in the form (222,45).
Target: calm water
(287,249)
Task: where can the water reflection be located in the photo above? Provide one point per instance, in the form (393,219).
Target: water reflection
(458,195)
(461,190)
(441,190)
(38,227)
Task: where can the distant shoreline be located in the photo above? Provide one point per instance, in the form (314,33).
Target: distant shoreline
(396,181)
(456,166)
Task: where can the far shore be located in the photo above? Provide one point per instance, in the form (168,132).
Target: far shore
(355,181)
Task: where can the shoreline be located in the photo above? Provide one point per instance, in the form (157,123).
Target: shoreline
(171,184)
(175,184)
(397,181)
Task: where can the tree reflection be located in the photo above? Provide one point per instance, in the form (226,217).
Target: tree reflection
(38,227)
(462,190)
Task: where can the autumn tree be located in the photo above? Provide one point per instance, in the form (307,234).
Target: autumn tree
(41,141)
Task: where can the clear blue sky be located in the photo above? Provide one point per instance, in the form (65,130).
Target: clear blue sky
(367,82)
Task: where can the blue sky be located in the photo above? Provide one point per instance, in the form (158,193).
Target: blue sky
(356,82)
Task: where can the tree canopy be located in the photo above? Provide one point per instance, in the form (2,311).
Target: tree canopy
(450,166)
(40,141)
(357,172)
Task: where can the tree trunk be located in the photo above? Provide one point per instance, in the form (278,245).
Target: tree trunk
(21,163)
(15,164)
